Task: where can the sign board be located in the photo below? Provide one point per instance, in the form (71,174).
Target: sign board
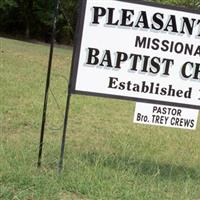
(169,116)
(139,51)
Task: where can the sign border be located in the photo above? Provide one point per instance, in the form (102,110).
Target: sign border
(77,48)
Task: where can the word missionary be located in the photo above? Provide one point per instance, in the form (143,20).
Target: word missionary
(167,46)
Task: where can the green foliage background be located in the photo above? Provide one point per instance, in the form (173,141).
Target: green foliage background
(33,18)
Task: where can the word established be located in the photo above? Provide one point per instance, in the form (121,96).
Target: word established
(138,51)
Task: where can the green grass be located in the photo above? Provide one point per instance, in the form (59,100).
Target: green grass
(106,156)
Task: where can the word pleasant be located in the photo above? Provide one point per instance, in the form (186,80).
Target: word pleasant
(158,21)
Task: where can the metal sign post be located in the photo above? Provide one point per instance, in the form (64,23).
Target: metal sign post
(79,27)
(48,83)
(60,164)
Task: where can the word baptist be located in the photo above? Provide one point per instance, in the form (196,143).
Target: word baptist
(140,63)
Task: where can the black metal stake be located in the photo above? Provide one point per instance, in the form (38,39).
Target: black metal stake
(48,83)
(62,149)
(60,164)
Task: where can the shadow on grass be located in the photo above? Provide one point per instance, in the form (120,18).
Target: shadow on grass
(141,167)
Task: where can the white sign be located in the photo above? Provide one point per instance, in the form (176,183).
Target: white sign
(168,116)
(137,50)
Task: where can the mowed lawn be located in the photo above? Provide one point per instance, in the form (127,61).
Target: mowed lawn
(106,156)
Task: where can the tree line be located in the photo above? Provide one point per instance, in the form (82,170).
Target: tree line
(33,18)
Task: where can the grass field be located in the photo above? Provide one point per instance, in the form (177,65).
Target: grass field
(106,157)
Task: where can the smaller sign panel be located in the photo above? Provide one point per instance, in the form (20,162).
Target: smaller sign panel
(163,115)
